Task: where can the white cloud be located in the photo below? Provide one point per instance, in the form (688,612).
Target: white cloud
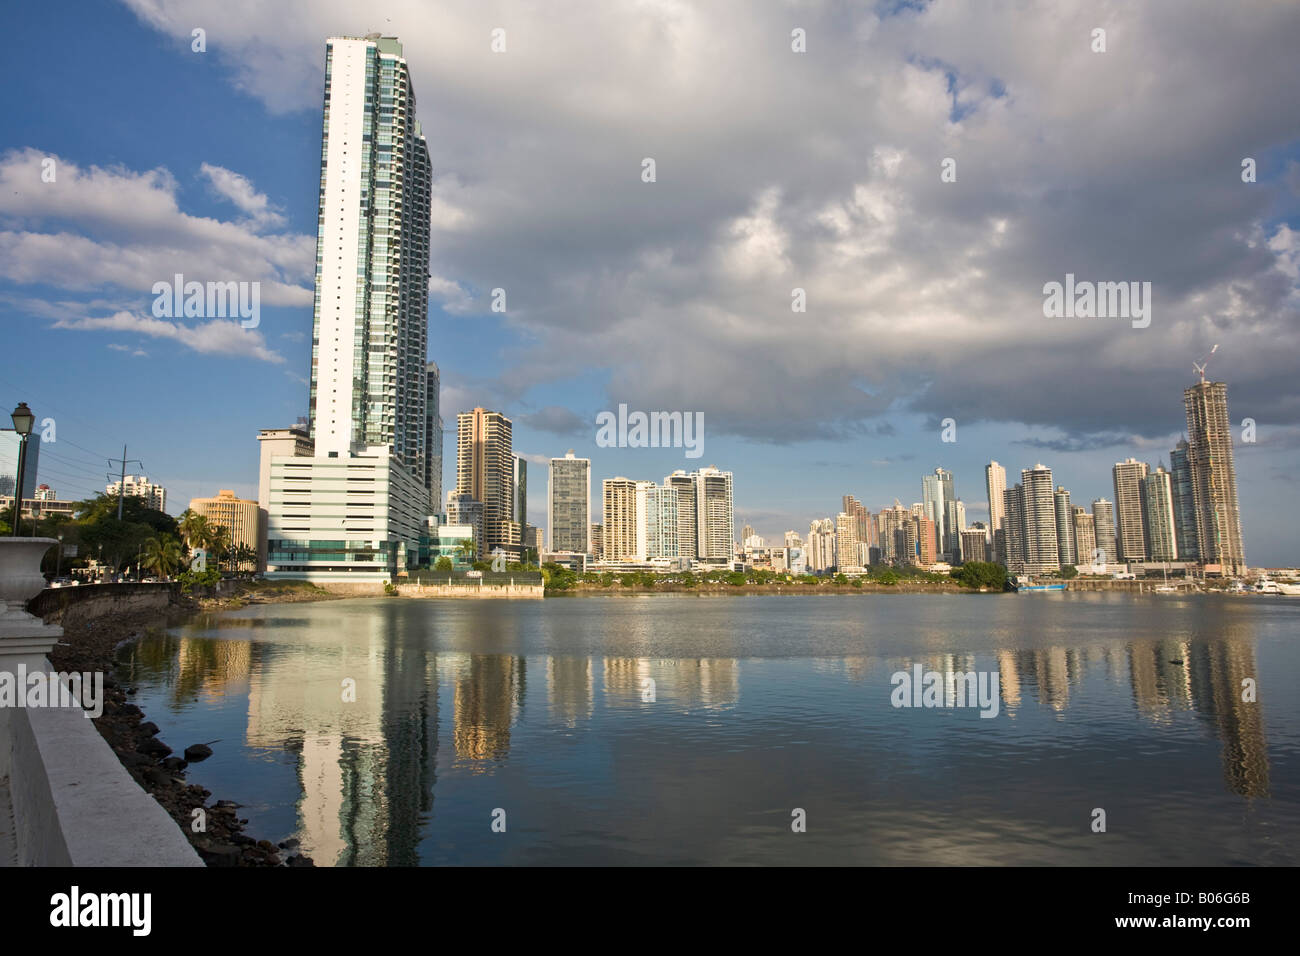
(95,227)
(216,337)
(821,170)
(239,190)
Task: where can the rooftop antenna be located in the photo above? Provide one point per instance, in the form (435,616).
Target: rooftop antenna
(1200,366)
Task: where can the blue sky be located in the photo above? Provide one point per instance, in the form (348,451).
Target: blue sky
(818,172)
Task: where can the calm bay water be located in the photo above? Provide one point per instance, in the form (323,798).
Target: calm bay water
(762,704)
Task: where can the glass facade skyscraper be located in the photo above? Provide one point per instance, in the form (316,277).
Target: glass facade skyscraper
(370,336)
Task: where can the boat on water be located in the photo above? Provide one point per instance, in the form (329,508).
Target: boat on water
(1018,586)
(1269,586)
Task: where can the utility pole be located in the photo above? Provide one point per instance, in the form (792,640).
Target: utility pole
(121,483)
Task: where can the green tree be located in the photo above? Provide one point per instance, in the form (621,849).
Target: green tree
(443,564)
(245,557)
(193,528)
(162,555)
(981,574)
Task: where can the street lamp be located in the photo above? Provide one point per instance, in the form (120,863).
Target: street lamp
(23,421)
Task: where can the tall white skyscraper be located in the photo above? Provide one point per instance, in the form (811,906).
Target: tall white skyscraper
(358,506)
(1038,517)
(1103,526)
(714,515)
(369,385)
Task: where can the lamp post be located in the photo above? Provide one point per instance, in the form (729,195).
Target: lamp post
(23,421)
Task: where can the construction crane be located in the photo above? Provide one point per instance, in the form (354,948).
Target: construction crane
(1200,366)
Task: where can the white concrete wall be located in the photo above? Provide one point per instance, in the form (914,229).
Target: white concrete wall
(74,804)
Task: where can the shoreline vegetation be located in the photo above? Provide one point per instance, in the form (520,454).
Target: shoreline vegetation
(96,645)
(975,577)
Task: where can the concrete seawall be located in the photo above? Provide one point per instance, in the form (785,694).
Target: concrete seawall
(74,606)
(65,798)
(74,804)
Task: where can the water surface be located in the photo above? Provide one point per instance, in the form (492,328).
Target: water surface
(759,705)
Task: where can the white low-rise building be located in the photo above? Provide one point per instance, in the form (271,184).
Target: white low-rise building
(357,518)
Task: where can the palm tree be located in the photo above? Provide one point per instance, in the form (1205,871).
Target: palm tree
(217,542)
(193,527)
(244,555)
(162,554)
(467,550)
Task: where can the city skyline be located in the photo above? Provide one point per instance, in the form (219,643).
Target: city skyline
(793,457)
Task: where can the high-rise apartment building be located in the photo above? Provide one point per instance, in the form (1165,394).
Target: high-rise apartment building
(995,482)
(715,515)
(866,527)
(1085,535)
(954,523)
(1103,528)
(1160,520)
(485,470)
(519,510)
(821,544)
(568,504)
(1214,478)
(1130,532)
(1065,546)
(240,517)
(1013,528)
(433,436)
(153,496)
(357,507)
(369,382)
(923,541)
(661,511)
(936,491)
(688,516)
(1180,471)
(891,522)
(624,528)
(974,545)
(846,541)
(706,519)
(1038,519)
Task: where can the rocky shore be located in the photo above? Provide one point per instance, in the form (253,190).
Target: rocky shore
(92,646)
